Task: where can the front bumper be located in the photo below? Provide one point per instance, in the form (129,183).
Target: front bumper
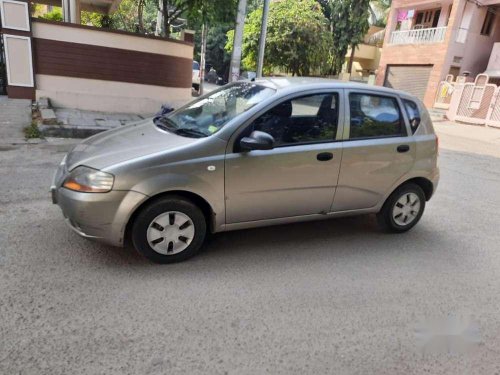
(99,216)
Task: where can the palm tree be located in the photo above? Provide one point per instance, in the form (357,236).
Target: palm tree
(379,10)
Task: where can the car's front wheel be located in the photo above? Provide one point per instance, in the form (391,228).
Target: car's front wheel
(168,230)
(403,209)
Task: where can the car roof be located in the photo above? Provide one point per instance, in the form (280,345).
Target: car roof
(297,84)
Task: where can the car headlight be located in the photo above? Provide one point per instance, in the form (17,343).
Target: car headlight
(88,180)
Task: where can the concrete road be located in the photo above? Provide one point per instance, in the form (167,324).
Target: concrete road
(335,297)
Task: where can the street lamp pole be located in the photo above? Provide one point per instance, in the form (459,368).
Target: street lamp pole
(262,39)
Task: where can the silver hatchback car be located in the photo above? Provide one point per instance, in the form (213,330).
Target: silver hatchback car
(252,154)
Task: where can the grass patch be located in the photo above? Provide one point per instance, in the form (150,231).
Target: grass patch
(32,131)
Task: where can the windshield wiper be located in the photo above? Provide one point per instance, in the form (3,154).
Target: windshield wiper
(190,132)
(165,123)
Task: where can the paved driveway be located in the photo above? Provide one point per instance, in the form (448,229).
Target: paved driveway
(333,297)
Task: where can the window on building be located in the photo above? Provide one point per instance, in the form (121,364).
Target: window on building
(488,23)
(375,116)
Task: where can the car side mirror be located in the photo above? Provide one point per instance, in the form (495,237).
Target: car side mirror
(415,122)
(257,141)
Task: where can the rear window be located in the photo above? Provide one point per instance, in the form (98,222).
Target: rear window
(196,65)
(413,114)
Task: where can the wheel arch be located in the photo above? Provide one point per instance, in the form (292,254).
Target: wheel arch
(198,200)
(425,184)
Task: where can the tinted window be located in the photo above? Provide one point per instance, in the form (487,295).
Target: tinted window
(413,114)
(307,119)
(374,116)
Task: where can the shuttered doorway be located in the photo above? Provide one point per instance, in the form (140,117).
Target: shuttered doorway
(410,78)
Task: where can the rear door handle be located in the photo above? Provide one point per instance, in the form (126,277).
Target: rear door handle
(324,156)
(403,148)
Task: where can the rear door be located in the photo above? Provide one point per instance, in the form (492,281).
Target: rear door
(378,149)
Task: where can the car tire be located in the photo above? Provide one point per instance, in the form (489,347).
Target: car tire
(169,230)
(403,209)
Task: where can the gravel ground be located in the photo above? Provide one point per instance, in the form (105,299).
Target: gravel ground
(334,297)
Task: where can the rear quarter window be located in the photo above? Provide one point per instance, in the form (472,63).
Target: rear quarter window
(413,113)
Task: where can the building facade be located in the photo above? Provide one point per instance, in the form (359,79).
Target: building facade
(427,40)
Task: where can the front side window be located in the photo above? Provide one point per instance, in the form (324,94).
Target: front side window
(308,119)
(374,116)
(209,114)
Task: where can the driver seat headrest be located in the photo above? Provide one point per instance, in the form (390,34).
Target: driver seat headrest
(282,110)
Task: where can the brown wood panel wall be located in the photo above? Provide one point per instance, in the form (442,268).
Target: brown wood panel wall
(77,60)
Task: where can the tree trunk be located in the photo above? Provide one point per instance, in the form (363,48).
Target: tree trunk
(166,19)
(159,19)
(140,15)
(373,16)
(234,70)
(351,59)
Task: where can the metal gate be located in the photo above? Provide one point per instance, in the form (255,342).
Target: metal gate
(493,118)
(475,101)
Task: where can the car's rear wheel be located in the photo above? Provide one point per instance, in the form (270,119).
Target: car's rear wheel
(403,209)
(169,230)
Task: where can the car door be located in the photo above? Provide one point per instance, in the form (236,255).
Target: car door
(378,149)
(299,175)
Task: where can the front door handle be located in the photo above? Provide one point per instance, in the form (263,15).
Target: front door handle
(403,148)
(324,156)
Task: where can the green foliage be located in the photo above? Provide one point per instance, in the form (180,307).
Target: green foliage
(379,10)
(348,21)
(32,131)
(54,15)
(216,54)
(297,37)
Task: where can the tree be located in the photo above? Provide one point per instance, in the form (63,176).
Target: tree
(297,37)
(217,56)
(379,10)
(132,15)
(348,21)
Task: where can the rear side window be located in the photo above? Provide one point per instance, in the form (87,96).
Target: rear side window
(413,114)
(375,116)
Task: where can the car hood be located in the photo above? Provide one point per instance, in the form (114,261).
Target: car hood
(125,143)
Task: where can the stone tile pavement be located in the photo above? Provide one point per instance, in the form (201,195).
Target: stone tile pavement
(15,115)
(74,123)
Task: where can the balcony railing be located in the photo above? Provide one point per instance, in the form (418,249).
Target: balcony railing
(418,36)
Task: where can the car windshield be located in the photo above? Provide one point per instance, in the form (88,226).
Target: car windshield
(209,114)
